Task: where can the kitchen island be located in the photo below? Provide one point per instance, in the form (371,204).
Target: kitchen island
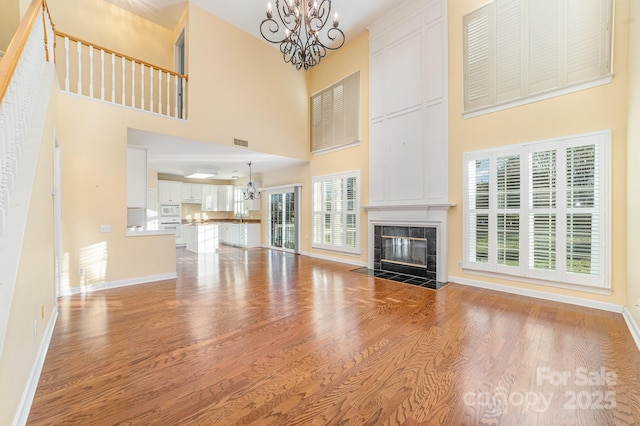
(202,238)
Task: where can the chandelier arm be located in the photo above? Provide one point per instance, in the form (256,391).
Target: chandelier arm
(302,32)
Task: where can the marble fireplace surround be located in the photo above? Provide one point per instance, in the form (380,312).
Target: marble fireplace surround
(429,215)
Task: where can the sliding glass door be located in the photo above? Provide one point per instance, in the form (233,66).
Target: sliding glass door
(282,220)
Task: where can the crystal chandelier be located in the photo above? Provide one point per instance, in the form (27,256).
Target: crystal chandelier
(301,32)
(251,192)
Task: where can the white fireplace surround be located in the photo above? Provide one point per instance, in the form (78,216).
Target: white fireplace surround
(430,215)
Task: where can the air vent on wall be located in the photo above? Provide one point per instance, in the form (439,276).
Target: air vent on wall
(240,142)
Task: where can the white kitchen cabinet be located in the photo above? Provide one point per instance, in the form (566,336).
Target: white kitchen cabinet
(180,235)
(136,178)
(169,191)
(209,198)
(192,193)
(225,198)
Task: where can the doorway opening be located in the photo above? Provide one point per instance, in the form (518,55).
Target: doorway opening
(283,220)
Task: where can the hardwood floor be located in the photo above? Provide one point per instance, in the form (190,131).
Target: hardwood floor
(264,337)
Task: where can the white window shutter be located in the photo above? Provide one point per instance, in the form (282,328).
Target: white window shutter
(477,58)
(508,50)
(587,39)
(335,114)
(545,45)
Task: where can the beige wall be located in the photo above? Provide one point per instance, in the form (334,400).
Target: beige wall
(33,297)
(239,87)
(604,107)
(9,21)
(633,160)
(352,57)
(105,24)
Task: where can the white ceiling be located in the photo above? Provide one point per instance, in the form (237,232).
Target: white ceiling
(172,155)
(175,156)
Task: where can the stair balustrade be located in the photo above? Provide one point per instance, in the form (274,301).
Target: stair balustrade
(91,70)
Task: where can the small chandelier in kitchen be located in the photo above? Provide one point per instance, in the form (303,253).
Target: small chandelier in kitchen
(251,192)
(301,32)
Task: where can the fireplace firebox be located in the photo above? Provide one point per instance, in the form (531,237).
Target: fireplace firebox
(406,249)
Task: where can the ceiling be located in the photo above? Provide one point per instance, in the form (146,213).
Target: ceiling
(176,156)
(172,155)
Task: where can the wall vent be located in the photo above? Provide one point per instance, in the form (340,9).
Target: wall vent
(240,142)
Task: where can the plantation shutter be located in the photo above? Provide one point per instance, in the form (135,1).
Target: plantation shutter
(335,212)
(477,58)
(544,45)
(587,35)
(583,210)
(513,49)
(478,217)
(335,114)
(508,210)
(542,211)
(508,50)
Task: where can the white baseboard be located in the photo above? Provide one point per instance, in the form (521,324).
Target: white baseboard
(22,415)
(611,307)
(634,329)
(121,283)
(334,259)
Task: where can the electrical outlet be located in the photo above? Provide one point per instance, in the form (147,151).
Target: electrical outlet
(459,263)
(80,270)
(105,228)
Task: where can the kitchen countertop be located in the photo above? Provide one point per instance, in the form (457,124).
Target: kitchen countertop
(214,221)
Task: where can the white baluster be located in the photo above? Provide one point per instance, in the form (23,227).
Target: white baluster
(133,84)
(142,87)
(79,45)
(102,74)
(168,95)
(175,99)
(91,71)
(122,98)
(66,64)
(159,91)
(113,77)
(151,89)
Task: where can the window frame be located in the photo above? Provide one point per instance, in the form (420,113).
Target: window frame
(322,212)
(484,70)
(560,276)
(349,116)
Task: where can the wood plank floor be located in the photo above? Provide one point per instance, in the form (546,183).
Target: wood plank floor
(263,337)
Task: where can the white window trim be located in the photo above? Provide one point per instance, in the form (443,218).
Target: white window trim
(343,249)
(601,285)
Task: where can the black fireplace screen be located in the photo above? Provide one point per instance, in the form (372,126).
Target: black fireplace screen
(404,251)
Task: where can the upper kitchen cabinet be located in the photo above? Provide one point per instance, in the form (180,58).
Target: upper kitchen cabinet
(170,192)
(209,198)
(192,193)
(225,198)
(136,178)
(409,105)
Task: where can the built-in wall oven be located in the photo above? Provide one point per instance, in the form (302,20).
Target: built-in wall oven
(170,218)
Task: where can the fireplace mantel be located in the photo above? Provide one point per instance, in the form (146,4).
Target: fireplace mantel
(388,207)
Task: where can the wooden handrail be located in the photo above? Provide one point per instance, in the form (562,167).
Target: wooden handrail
(11,57)
(121,55)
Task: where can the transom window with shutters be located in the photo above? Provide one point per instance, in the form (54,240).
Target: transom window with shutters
(336,207)
(520,51)
(335,115)
(540,210)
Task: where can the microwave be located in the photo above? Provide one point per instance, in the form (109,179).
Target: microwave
(170,210)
